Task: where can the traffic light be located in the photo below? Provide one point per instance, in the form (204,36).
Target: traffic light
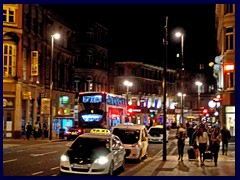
(152,115)
(205,111)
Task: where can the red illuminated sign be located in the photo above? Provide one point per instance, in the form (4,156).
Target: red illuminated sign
(229,67)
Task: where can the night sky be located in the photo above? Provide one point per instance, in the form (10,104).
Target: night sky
(136,31)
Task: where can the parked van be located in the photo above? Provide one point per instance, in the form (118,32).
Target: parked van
(135,139)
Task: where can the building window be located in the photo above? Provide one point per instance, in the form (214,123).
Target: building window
(24,64)
(229,39)
(9,60)
(90,57)
(229,80)
(9,14)
(228,8)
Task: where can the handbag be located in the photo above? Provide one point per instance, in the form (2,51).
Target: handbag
(207,155)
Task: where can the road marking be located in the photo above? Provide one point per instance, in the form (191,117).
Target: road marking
(55,168)
(36,155)
(10,160)
(55,175)
(19,151)
(40,172)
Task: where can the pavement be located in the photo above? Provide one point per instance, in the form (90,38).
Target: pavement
(156,166)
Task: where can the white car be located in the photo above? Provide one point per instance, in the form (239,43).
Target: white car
(134,138)
(97,153)
(155,134)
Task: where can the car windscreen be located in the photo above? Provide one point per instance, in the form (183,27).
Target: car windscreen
(155,131)
(127,136)
(84,143)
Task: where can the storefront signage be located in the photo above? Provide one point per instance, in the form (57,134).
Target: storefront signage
(45,106)
(34,63)
(26,95)
(8,102)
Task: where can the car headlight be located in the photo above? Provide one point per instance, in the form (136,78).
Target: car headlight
(64,158)
(102,160)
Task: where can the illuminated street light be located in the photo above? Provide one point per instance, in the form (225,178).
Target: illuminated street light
(199,84)
(128,84)
(53,36)
(179,34)
(182,106)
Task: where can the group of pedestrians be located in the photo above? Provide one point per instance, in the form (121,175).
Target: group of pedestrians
(203,139)
(36,130)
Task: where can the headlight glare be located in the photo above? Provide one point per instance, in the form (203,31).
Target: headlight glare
(64,158)
(102,160)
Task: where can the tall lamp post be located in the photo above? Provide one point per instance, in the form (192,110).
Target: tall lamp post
(128,84)
(53,36)
(181,95)
(199,84)
(179,34)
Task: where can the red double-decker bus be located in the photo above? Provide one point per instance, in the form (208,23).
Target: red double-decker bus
(100,110)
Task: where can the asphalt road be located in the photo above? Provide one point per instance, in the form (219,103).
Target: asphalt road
(43,159)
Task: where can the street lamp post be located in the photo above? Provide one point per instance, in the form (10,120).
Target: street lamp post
(179,34)
(53,36)
(199,84)
(181,95)
(128,84)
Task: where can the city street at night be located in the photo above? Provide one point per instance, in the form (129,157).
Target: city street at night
(41,158)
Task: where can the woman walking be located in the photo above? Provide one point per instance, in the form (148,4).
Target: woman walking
(216,139)
(181,135)
(194,142)
(202,143)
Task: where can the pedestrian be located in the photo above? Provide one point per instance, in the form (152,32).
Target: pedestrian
(202,143)
(225,138)
(190,131)
(194,142)
(216,139)
(181,135)
(28,131)
(36,130)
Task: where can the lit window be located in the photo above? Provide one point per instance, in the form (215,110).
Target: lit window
(229,80)
(9,60)
(8,15)
(228,8)
(229,39)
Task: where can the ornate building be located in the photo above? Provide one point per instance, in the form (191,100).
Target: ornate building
(92,64)
(224,65)
(145,96)
(27,30)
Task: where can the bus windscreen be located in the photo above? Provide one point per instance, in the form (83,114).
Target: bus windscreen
(92,117)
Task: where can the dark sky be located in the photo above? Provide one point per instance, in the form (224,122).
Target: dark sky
(136,31)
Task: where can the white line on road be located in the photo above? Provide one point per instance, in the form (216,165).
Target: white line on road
(54,168)
(40,172)
(36,155)
(55,175)
(10,160)
(19,151)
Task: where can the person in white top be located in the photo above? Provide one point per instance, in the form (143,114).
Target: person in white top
(202,142)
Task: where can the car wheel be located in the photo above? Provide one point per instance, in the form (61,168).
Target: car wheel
(111,167)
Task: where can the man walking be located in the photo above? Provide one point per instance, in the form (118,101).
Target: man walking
(28,131)
(225,138)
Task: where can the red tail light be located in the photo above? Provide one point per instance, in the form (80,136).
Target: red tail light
(79,130)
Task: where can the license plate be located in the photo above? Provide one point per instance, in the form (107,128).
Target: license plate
(81,166)
(74,133)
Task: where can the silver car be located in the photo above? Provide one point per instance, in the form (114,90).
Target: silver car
(97,153)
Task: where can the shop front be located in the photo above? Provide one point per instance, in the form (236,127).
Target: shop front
(8,116)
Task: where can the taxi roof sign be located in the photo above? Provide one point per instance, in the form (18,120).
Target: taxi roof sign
(100,131)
